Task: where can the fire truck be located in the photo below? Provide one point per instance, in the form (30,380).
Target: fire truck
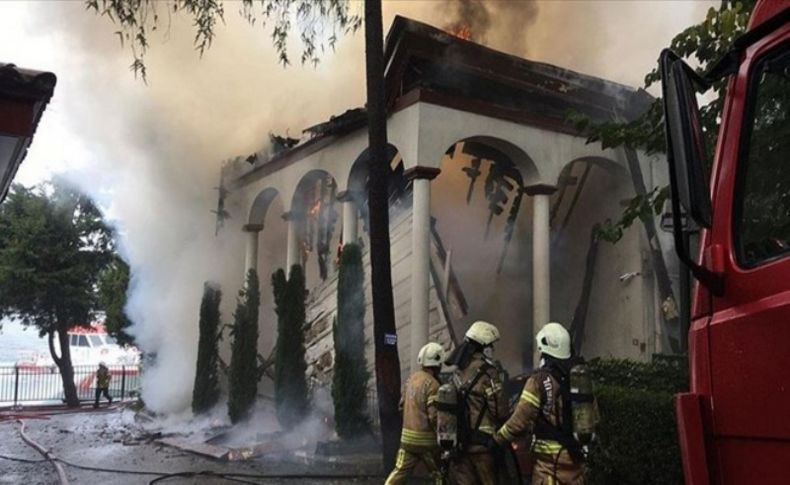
(734,423)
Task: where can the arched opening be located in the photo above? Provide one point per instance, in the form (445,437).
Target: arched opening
(314,208)
(589,276)
(260,206)
(483,218)
(358,179)
(265,217)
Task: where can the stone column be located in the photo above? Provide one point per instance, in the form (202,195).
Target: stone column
(421,256)
(292,255)
(251,259)
(349,217)
(541,258)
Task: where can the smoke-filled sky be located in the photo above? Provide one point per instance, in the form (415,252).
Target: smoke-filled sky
(150,154)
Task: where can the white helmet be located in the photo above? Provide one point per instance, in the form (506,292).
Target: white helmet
(483,333)
(431,355)
(554,340)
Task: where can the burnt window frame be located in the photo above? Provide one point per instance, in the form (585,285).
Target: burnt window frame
(744,146)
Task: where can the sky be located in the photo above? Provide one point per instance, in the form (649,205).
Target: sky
(150,154)
(599,38)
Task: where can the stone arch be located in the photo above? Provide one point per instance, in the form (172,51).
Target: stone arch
(357,186)
(586,271)
(483,215)
(572,180)
(358,174)
(260,206)
(314,210)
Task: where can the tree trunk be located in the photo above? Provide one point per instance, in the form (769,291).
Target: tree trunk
(64,365)
(668,303)
(384,334)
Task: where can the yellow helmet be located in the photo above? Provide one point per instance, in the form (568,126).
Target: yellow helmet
(431,355)
(554,340)
(483,333)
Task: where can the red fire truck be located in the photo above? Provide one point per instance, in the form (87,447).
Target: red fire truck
(734,423)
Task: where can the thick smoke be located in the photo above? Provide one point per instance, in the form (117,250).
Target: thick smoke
(151,154)
(501,24)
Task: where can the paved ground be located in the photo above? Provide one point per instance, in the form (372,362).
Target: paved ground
(97,440)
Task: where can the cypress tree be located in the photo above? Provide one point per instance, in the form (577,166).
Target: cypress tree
(243,372)
(290,383)
(350,378)
(205,394)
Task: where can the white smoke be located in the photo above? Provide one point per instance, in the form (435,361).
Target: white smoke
(151,154)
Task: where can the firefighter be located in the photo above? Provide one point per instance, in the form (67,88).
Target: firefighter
(418,442)
(102,384)
(544,409)
(483,403)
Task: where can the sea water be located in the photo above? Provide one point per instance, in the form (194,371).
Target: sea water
(18,342)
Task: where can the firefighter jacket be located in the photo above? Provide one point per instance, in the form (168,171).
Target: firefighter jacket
(541,399)
(419,412)
(485,402)
(102,378)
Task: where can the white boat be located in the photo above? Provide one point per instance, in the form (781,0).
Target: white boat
(91,345)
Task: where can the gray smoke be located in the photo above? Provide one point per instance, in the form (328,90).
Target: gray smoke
(151,154)
(502,25)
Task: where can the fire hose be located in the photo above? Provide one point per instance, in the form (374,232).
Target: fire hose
(45,453)
(159,476)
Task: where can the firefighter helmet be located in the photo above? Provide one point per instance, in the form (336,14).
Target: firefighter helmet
(431,355)
(483,333)
(554,340)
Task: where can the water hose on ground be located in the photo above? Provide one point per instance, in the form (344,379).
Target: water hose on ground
(160,476)
(45,453)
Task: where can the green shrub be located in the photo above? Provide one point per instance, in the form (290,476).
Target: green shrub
(205,393)
(350,378)
(243,370)
(637,437)
(290,382)
(664,373)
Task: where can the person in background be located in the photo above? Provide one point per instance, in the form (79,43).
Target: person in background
(102,384)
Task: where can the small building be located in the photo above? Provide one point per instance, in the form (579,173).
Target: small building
(24,94)
(494,197)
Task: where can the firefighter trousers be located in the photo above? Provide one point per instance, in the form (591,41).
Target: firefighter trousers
(406,461)
(474,469)
(557,472)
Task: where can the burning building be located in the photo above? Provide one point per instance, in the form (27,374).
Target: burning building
(494,198)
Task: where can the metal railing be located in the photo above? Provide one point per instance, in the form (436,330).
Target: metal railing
(43,384)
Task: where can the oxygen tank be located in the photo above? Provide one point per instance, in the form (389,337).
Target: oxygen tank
(582,404)
(446,416)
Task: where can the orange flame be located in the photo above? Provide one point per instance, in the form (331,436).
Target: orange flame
(463,32)
(315,209)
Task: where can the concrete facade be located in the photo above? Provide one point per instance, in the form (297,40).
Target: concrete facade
(534,277)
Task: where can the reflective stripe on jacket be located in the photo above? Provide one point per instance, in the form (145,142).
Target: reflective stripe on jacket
(419,411)
(541,395)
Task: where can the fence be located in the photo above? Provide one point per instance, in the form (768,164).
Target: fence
(43,384)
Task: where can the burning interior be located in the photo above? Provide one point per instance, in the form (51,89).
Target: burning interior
(484,160)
